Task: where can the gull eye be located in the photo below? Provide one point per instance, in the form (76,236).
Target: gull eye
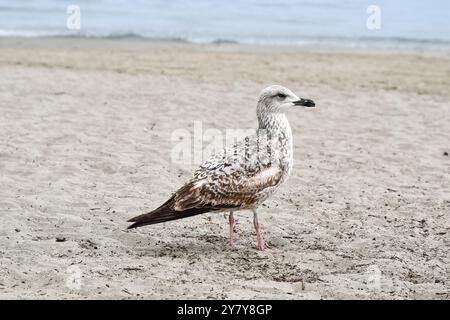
(281,95)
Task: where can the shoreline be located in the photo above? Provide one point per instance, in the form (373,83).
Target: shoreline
(112,41)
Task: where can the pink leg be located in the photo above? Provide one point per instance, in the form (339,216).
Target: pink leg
(232,223)
(259,238)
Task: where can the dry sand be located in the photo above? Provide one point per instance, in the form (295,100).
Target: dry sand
(85,144)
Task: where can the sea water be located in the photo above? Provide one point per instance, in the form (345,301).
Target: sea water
(401,23)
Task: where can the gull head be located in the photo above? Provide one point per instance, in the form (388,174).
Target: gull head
(278,99)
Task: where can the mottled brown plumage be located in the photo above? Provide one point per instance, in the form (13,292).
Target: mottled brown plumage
(242,176)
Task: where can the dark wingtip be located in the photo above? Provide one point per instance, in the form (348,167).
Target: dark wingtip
(135,224)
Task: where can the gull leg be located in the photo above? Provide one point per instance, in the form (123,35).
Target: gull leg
(259,238)
(232,223)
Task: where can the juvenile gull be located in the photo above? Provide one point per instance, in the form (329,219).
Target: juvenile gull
(242,176)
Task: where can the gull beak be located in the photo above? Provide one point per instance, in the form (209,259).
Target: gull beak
(304,103)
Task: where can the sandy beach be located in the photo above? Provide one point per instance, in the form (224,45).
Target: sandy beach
(86,131)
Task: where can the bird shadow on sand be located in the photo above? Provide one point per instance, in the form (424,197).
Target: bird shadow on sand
(205,246)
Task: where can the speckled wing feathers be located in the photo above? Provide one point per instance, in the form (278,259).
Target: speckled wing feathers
(239,177)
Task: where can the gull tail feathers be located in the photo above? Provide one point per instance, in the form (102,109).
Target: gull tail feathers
(164,213)
(186,202)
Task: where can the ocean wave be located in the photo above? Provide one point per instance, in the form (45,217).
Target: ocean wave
(359,42)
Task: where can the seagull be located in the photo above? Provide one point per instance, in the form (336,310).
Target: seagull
(242,176)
